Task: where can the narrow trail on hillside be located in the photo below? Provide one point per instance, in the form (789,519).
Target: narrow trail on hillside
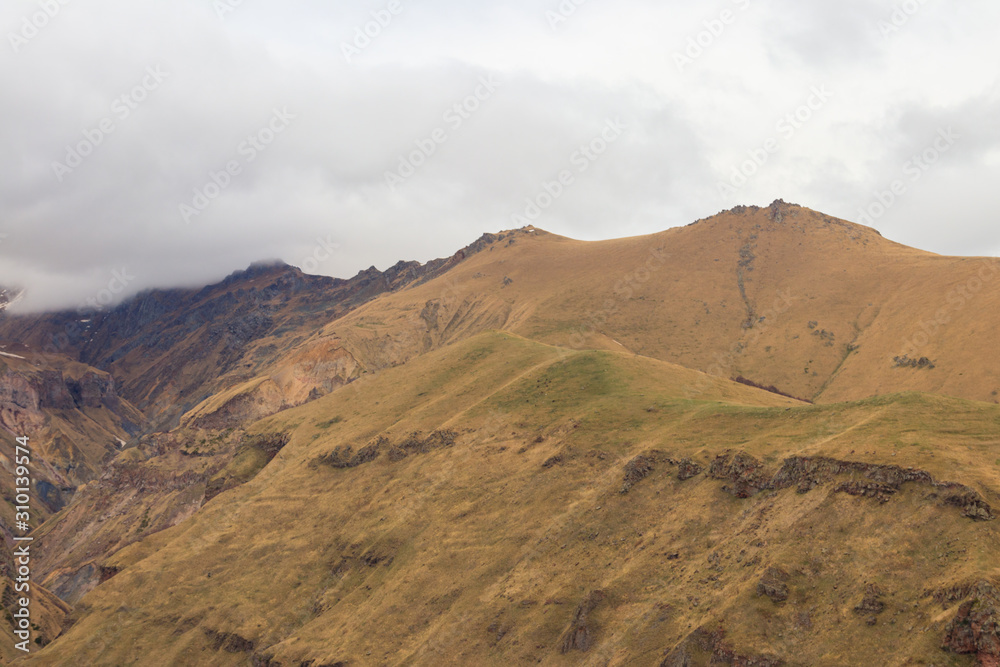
(838,434)
(462,415)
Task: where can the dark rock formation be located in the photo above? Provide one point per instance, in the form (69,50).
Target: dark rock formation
(871,480)
(637,470)
(808,472)
(744,471)
(975,630)
(53,392)
(969,501)
(905,362)
(552,461)
(417,443)
(745,477)
(871,604)
(879,492)
(93,391)
(345,457)
(777,210)
(687,469)
(580,635)
(229,642)
(773,585)
(20,404)
(704,647)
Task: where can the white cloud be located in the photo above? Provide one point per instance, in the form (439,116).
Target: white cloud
(325,176)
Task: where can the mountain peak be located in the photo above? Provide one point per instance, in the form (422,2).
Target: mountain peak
(791,220)
(269,267)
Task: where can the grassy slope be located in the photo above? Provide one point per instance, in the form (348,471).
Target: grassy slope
(477,554)
(676,296)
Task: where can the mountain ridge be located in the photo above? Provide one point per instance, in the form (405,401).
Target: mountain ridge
(746,439)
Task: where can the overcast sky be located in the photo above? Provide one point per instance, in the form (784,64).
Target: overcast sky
(151,143)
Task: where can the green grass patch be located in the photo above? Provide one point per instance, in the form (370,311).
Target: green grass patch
(330,422)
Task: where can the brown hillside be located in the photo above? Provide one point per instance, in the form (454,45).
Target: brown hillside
(503,502)
(784,296)
(539,451)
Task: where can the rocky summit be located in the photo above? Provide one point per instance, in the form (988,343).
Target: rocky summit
(771,437)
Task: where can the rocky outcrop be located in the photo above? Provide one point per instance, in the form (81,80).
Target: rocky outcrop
(264,399)
(970,502)
(748,477)
(20,406)
(345,456)
(688,469)
(637,470)
(252,456)
(806,473)
(975,629)
(54,392)
(709,647)
(778,209)
(906,362)
(94,390)
(746,474)
(774,584)
(871,604)
(229,642)
(25,395)
(417,443)
(642,466)
(874,490)
(580,634)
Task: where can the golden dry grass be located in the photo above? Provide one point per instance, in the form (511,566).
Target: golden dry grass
(478,553)
(839,301)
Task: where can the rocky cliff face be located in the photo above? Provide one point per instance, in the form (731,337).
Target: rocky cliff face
(93,390)
(74,419)
(20,411)
(171,349)
(975,628)
(26,396)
